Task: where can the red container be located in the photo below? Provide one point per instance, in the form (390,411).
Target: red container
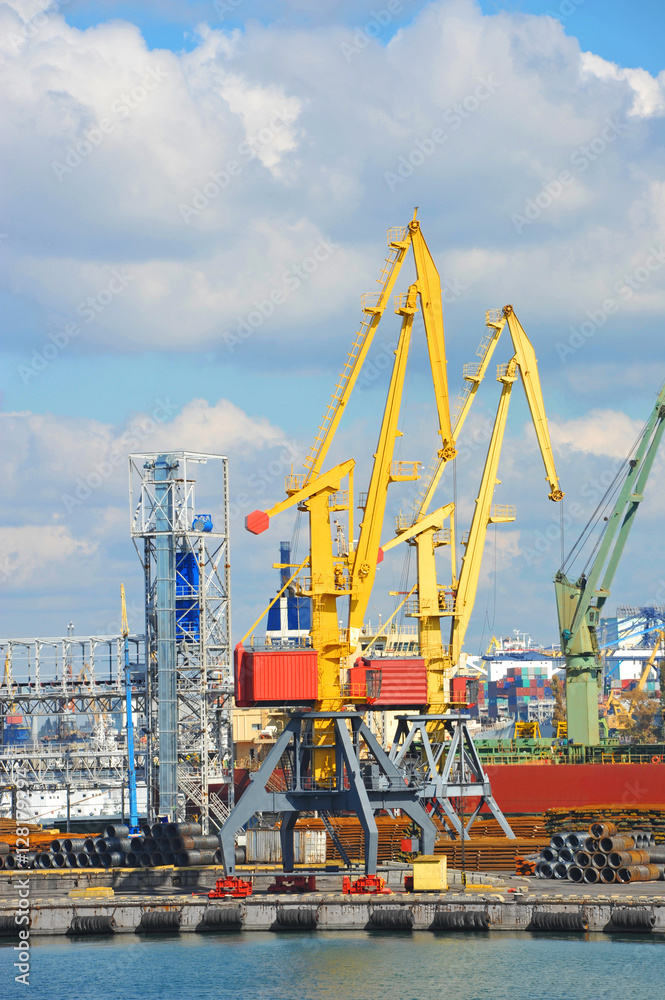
(275,677)
(403,683)
(358,681)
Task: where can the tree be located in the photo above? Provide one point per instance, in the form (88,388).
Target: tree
(645,718)
(559,700)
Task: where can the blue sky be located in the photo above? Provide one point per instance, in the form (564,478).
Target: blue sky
(318,107)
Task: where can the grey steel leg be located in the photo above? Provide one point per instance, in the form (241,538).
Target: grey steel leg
(498,815)
(358,796)
(286,835)
(254,799)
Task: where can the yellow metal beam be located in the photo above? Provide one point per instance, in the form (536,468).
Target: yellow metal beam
(398,245)
(471,563)
(475,377)
(528,366)
(365,559)
(275,599)
(328,481)
(429,287)
(434,520)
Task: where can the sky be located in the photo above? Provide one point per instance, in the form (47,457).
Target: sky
(169,166)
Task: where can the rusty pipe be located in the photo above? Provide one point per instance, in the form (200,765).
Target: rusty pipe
(607,875)
(583,859)
(599,830)
(576,873)
(591,875)
(624,842)
(599,860)
(622,859)
(640,873)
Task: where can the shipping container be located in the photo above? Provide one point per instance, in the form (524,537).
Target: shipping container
(275,677)
(403,682)
(265,847)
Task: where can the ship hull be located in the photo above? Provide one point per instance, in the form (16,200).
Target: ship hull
(536,787)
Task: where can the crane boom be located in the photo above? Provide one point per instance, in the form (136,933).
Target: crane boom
(526,359)
(579,603)
(483,515)
(383,473)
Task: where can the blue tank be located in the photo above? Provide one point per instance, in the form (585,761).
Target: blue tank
(187,611)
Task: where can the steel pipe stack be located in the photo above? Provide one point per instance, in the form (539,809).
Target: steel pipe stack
(602,855)
(159,844)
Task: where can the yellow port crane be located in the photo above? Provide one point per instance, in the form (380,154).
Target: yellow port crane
(351,572)
(456,601)
(619,710)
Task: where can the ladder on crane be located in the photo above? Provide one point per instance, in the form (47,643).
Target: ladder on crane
(373,307)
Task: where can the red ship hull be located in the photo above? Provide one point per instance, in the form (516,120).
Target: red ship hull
(536,787)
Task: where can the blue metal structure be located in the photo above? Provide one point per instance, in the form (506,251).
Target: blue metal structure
(290,618)
(165,469)
(185,557)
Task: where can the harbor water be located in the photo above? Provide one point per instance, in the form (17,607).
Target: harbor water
(332,966)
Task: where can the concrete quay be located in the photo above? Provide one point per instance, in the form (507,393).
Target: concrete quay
(493,909)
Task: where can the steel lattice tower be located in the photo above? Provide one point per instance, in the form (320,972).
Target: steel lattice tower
(189,682)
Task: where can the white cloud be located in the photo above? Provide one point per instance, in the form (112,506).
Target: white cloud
(649,92)
(66,483)
(600,432)
(39,555)
(323,130)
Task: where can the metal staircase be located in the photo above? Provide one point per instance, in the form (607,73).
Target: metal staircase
(192,789)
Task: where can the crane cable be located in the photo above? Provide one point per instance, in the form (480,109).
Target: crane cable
(601,507)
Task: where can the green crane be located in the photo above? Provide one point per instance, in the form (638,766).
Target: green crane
(580,603)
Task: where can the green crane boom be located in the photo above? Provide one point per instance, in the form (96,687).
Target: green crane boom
(580,603)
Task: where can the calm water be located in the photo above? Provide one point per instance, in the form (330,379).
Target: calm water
(352,966)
